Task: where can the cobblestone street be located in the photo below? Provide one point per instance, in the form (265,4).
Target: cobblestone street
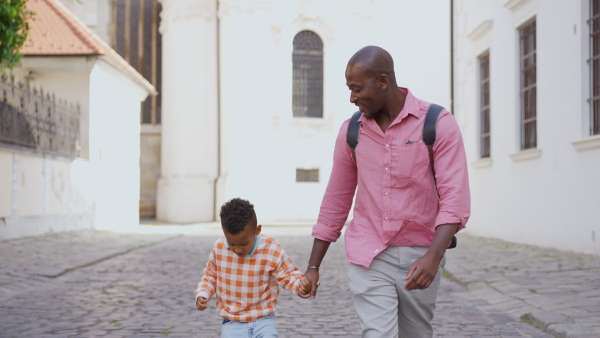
(120,285)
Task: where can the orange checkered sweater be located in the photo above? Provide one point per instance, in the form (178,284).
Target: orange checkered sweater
(247,287)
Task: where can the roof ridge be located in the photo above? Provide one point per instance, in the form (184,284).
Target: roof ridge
(76,25)
(64,32)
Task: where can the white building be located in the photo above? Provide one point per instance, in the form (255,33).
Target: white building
(225,123)
(61,167)
(527,100)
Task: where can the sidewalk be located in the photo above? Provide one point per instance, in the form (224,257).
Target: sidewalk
(558,292)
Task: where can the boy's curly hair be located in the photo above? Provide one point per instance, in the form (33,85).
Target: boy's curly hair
(235,214)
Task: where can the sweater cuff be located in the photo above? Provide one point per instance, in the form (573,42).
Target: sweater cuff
(202,294)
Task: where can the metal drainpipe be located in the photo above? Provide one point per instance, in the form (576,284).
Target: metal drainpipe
(215,191)
(452,56)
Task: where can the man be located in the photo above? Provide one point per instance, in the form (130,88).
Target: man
(401,227)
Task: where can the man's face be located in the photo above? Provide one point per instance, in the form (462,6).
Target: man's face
(242,242)
(364,91)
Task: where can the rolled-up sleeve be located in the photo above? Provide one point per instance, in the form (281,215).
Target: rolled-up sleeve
(337,200)
(451,173)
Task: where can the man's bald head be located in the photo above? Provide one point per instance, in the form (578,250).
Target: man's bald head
(375,61)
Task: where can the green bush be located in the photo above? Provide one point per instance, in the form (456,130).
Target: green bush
(14,28)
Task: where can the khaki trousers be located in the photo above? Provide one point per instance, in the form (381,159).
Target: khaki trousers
(384,307)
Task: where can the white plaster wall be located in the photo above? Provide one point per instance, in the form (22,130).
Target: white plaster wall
(31,177)
(189,155)
(53,193)
(6,183)
(115,147)
(41,195)
(65,77)
(264,144)
(550,199)
(58,186)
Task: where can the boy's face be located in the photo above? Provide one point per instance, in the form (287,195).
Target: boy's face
(242,242)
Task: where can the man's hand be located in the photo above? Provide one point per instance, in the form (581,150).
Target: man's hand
(316,256)
(422,273)
(312,276)
(201,303)
(305,287)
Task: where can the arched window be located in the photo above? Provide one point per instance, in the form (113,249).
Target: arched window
(307,58)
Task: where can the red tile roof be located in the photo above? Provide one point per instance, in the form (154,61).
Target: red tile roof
(55,31)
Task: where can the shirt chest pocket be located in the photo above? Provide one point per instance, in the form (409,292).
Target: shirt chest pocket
(410,160)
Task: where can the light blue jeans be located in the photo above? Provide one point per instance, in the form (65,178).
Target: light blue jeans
(264,327)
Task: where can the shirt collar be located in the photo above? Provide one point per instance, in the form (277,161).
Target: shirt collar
(411,106)
(256,240)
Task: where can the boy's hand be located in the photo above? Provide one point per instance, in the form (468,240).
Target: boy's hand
(305,286)
(201,303)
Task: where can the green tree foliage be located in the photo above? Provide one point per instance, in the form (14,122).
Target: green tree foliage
(14,28)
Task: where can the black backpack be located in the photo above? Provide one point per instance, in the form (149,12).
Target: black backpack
(429,135)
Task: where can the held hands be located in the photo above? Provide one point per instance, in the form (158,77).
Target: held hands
(201,303)
(305,287)
(312,277)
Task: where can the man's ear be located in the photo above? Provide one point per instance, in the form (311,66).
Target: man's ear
(257,231)
(383,81)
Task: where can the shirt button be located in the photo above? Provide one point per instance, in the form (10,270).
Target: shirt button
(386,169)
(385,193)
(386,218)
(377,250)
(387,145)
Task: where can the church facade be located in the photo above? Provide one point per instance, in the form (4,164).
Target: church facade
(252,93)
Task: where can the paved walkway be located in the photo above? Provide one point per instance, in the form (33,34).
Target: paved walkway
(556,291)
(108,284)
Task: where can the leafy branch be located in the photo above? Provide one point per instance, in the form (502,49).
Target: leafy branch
(14,28)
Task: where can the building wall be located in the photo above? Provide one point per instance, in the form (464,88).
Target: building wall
(115,146)
(6,181)
(46,193)
(150,143)
(545,196)
(264,144)
(41,195)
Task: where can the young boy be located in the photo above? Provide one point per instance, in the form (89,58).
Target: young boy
(244,269)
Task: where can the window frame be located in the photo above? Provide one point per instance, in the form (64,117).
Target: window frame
(304,175)
(593,61)
(484,105)
(528,84)
(307,75)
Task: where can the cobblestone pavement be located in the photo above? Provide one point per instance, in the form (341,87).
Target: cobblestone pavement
(93,284)
(556,291)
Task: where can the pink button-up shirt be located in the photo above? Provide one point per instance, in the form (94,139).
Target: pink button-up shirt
(396,199)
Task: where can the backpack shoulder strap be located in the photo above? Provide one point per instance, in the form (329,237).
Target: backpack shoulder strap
(429,132)
(353,132)
(433,113)
(429,135)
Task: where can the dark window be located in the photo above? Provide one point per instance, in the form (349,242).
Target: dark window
(138,41)
(594,24)
(307,175)
(484,104)
(528,86)
(307,58)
